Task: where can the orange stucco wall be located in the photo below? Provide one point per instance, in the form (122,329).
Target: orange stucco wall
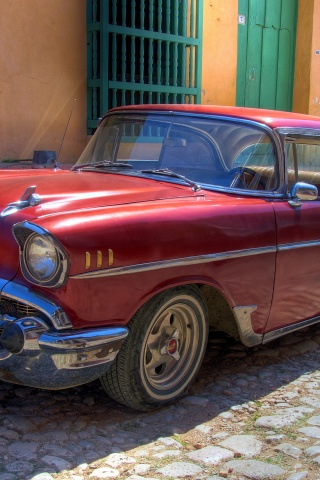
(306,94)
(315,63)
(42,76)
(219,60)
(301,91)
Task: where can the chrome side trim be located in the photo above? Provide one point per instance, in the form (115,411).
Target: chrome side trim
(293,246)
(243,320)
(52,311)
(175,262)
(311,132)
(274,334)
(243,193)
(196,260)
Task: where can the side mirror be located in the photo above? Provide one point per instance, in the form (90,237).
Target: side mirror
(302,191)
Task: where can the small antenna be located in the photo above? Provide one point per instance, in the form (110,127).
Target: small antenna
(65,131)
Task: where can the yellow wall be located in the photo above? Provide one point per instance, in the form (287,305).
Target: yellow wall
(42,72)
(306,93)
(219,61)
(315,63)
(301,91)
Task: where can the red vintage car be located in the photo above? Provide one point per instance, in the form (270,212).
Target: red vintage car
(176,218)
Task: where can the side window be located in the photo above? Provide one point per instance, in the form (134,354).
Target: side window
(256,165)
(303,161)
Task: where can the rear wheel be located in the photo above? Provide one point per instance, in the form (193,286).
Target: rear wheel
(163,352)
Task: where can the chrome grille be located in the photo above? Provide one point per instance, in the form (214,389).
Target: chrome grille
(17,309)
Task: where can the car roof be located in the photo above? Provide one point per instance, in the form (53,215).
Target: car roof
(272,118)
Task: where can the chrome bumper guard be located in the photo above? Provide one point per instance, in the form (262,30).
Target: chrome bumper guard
(31,354)
(83,349)
(36,354)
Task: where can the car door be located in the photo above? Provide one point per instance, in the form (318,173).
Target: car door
(297,282)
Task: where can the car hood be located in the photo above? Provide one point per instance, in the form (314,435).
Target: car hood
(69,193)
(63,191)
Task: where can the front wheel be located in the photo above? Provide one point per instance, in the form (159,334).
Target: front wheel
(163,352)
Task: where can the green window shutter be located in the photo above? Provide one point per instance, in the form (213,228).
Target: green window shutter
(142,51)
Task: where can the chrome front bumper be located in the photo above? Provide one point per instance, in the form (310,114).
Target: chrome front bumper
(34,352)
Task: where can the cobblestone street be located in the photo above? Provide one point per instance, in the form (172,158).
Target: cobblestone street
(252,413)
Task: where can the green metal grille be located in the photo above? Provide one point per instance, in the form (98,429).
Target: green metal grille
(142,51)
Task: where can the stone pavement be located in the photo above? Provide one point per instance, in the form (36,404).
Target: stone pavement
(252,413)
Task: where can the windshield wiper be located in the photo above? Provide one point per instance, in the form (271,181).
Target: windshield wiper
(169,173)
(105,164)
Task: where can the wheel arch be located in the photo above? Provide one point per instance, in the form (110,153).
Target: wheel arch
(220,313)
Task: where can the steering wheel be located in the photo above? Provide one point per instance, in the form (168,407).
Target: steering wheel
(246,178)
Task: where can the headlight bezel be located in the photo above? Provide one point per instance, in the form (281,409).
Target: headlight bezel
(25,233)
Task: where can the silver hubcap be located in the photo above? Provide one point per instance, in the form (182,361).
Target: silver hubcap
(170,346)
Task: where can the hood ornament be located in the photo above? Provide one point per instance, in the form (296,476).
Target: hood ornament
(28,199)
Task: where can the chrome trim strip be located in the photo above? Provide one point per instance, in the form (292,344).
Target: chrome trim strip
(298,131)
(243,192)
(196,260)
(274,334)
(293,246)
(23,294)
(175,262)
(30,226)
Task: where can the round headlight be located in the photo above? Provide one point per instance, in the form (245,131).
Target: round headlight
(41,257)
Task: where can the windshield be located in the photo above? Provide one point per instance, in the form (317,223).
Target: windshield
(209,151)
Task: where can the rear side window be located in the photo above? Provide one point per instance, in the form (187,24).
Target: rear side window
(303,161)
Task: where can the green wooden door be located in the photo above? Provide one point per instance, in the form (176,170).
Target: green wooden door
(266,50)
